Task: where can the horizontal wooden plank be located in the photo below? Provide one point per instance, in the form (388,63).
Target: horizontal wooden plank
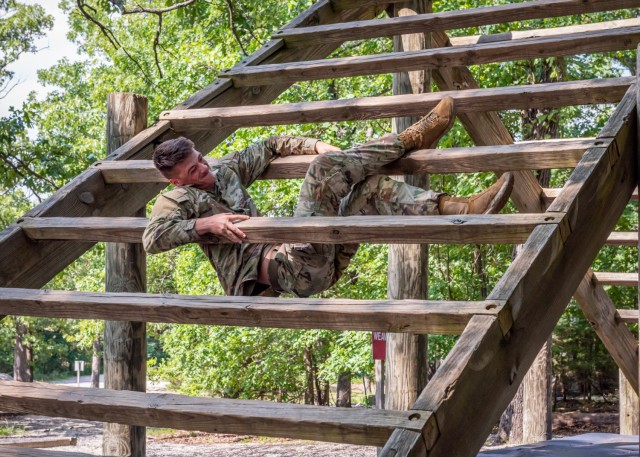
(519,156)
(37,442)
(462,229)
(628,316)
(346,425)
(550,194)
(538,33)
(585,92)
(406,316)
(554,46)
(457,19)
(623,239)
(617,279)
(11,451)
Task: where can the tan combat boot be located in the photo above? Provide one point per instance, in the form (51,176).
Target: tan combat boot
(425,133)
(489,201)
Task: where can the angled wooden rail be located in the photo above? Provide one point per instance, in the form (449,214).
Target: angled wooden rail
(586,92)
(471,228)
(402,316)
(617,279)
(527,155)
(216,415)
(550,194)
(616,39)
(424,23)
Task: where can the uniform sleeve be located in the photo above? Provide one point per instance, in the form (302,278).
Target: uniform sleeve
(254,160)
(172,224)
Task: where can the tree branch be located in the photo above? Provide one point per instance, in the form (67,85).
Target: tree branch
(233,27)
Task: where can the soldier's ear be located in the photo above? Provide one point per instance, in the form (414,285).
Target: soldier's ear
(175,182)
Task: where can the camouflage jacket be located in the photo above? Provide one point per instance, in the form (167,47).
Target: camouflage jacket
(174,214)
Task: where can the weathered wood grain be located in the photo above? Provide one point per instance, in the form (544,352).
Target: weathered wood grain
(519,156)
(617,279)
(553,46)
(37,442)
(472,100)
(537,286)
(10,451)
(601,313)
(628,316)
(346,425)
(473,228)
(550,195)
(403,316)
(537,33)
(457,19)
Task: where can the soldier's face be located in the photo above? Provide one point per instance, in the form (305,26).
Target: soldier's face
(192,171)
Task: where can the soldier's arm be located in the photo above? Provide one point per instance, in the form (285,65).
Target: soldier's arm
(254,160)
(172,224)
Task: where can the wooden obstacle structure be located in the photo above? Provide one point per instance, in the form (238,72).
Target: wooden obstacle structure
(562,229)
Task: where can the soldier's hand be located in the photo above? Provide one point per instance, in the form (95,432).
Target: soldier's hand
(222,225)
(322,147)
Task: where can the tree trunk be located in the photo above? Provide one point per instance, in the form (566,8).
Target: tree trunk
(343,394)
(406,363)
(95,364)
(309,371)
(22,355)
(125,346)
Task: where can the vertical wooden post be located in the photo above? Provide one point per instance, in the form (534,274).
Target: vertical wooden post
(408,264)
(629,408)
(633,400)
(125,346)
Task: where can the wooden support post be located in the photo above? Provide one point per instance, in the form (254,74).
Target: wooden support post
(629,407)
(406,362)
(125,346)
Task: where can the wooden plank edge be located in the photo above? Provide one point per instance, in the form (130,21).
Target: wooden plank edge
(401,316)
(459,229)
(216,415)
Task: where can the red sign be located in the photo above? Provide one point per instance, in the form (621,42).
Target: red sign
(379,342)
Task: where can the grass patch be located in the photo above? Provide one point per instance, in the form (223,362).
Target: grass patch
(152,431)
(11,430)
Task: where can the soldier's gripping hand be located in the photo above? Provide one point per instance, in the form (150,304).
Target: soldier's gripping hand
(222,225)
(322,147)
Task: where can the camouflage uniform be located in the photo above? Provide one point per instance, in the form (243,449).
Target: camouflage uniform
(337,183)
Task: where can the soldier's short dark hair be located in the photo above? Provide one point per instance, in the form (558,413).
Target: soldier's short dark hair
(170,153)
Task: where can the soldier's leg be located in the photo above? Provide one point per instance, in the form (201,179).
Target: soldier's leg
(386,196)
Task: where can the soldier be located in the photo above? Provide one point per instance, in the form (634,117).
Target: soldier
(208,200)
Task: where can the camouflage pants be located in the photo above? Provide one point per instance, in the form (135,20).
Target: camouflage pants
(345,184)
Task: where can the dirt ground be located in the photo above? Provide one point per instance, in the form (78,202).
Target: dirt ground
(171,443)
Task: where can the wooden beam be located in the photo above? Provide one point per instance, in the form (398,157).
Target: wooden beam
(617,279)
(25,264)
(457,19)
(628,316)
(554,46)
(559,94)
(461,229)
(11,451)
(538,33)
(346,425)
(519,156)
(403,316)
(38,442)
(550,194)
(537,287)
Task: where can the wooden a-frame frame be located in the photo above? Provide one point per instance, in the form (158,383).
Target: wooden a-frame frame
(501,335)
